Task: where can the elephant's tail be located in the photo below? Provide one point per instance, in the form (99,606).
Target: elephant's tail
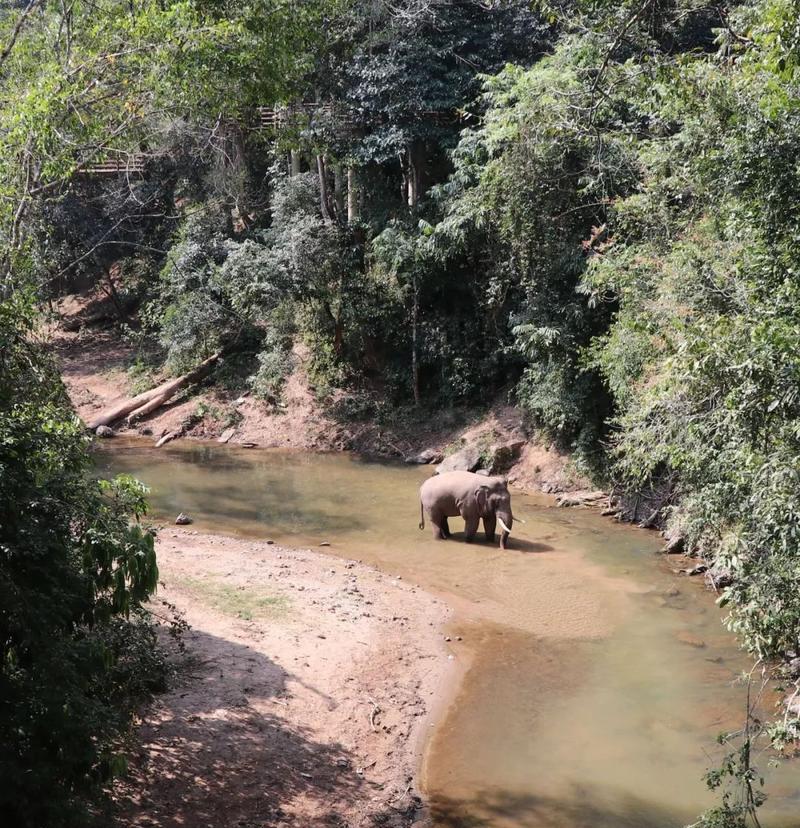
(421,516)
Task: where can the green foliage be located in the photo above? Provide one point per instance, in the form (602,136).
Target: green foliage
(214,291)
(89,81)
(75,566)
(426,57)
(591,208)
(140,375)
(703,351)
(275,363)
(528,187)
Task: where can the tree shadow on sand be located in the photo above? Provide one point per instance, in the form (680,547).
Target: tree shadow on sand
(213,751)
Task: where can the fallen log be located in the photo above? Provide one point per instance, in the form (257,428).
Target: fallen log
(149,407)
(170,435)
(149,401)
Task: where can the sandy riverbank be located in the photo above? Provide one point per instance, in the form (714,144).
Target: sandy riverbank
(302,698)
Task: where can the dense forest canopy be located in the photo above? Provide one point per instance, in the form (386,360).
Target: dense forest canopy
(588,208)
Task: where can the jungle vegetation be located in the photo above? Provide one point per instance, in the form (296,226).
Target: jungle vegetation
(586,207)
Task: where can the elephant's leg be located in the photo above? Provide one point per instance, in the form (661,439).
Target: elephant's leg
(489,523)
(471,527)
(439,525)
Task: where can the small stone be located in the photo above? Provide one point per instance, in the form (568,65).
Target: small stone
(226,435)
(104,431)
(270,542)
(325,543)
(447,638)
(182,520)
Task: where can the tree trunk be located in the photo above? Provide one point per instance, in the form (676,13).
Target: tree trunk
(413,184)
(294,162)
(145,403)
(338,191)
(114,296)
(324,196)
(416,167)
(414,357)
(352,195)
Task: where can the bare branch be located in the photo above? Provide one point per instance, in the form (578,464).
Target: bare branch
(17,29)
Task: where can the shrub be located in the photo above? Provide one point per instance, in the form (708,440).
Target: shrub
(73,569)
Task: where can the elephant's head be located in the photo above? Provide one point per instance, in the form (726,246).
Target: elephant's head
(494,500)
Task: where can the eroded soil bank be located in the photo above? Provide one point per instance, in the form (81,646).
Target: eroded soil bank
(301,698)
(99,371)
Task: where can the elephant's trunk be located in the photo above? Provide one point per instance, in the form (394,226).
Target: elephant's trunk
(505,524)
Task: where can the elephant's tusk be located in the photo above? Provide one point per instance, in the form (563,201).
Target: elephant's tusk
(503,526)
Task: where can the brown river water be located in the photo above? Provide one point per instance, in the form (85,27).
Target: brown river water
(594,681)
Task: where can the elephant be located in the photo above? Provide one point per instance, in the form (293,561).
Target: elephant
(474,497)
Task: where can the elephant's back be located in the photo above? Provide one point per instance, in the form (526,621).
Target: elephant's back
(453,483)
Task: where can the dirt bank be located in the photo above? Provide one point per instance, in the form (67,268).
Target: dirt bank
(302,698)
(96,369)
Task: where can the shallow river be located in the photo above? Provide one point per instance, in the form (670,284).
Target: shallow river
(595,680)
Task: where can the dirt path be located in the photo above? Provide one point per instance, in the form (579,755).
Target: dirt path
(302,696)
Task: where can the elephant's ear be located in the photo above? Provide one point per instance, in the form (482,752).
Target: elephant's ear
(482,496)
